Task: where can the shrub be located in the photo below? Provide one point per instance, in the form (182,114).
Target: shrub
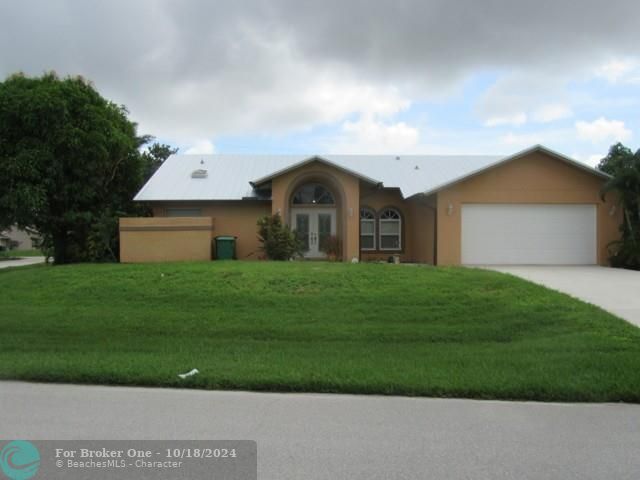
(279,242)
(624,167)
(332,247)
(624,254)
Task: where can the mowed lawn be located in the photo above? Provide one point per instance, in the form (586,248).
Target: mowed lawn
(307,326)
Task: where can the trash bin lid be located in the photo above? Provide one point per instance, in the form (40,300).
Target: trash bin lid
(225,237)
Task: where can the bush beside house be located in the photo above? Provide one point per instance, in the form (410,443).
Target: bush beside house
(624,167)
(278,241)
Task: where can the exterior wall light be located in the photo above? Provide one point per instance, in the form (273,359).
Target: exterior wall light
(450,209)
(612,210)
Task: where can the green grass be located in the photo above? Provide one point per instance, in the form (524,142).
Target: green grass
(322,327)
(20,253)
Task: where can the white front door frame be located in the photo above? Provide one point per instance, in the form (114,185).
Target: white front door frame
(313,220)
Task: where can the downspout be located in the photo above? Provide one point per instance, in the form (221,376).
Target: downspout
(435,234)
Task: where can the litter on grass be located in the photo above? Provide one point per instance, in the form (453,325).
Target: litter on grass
(189,374)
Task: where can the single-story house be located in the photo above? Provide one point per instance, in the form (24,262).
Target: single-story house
(23,239)
(5,242)
(534,207)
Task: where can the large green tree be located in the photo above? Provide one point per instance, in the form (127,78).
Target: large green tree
(624,167)
(154,156)
(69,164)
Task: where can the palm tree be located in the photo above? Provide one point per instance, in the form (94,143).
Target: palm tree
(624,166)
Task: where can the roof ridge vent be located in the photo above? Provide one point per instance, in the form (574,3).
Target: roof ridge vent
(199,173)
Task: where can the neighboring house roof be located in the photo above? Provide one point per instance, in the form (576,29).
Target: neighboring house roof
(232,177)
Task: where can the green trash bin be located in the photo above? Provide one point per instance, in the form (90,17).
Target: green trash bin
(225,247)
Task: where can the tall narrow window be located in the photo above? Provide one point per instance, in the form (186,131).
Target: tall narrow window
(367,229)
(390,230)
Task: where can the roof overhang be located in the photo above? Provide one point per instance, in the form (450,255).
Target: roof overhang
(261,181)
(523,153)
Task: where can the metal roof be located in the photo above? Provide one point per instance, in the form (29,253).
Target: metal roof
(231,177)
(293,166)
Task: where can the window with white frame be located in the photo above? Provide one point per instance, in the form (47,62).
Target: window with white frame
(367,229)
(390,229)
(312,194)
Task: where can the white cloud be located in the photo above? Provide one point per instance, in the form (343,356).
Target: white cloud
(547,137)
(193,70)
(203,147)
(616,70)
(520,97)
(368,135)
(515,119)
(308,95)
(601,130)
(335,96)
(521,140)
(551,112)
(591,159)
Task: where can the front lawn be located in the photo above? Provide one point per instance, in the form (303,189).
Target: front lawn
(322,327)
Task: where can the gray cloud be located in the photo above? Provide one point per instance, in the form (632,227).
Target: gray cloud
(196,69)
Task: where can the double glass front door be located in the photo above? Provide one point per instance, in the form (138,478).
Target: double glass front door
(314,226)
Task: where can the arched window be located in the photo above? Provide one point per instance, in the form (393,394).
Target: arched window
(313,194)
(390,229)
(367,229)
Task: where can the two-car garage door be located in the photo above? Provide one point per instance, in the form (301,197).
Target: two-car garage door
(528,234)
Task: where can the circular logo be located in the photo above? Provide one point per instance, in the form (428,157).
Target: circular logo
(19,460)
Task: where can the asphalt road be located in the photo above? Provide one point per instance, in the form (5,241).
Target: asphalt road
(309,436)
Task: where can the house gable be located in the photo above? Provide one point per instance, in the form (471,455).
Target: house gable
(308,162)
(537,151)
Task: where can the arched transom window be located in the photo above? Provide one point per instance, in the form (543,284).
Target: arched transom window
(313,194)
(367,229)
(390,230)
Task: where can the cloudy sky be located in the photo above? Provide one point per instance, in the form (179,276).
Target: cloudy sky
(398,76)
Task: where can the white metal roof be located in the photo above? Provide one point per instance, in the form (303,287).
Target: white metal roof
(230,177)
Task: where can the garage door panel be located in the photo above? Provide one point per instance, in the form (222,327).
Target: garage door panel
(528,234)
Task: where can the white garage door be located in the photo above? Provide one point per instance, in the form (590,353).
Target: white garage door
(528,234)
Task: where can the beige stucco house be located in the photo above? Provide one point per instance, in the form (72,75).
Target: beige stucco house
(16,238)
(534,207)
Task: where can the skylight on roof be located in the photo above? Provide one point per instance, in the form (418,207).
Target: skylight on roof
(200,173)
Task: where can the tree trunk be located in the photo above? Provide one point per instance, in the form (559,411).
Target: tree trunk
(60,248)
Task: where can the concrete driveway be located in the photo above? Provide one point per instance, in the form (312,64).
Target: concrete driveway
(21,262)
(313,436)
(613,289)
